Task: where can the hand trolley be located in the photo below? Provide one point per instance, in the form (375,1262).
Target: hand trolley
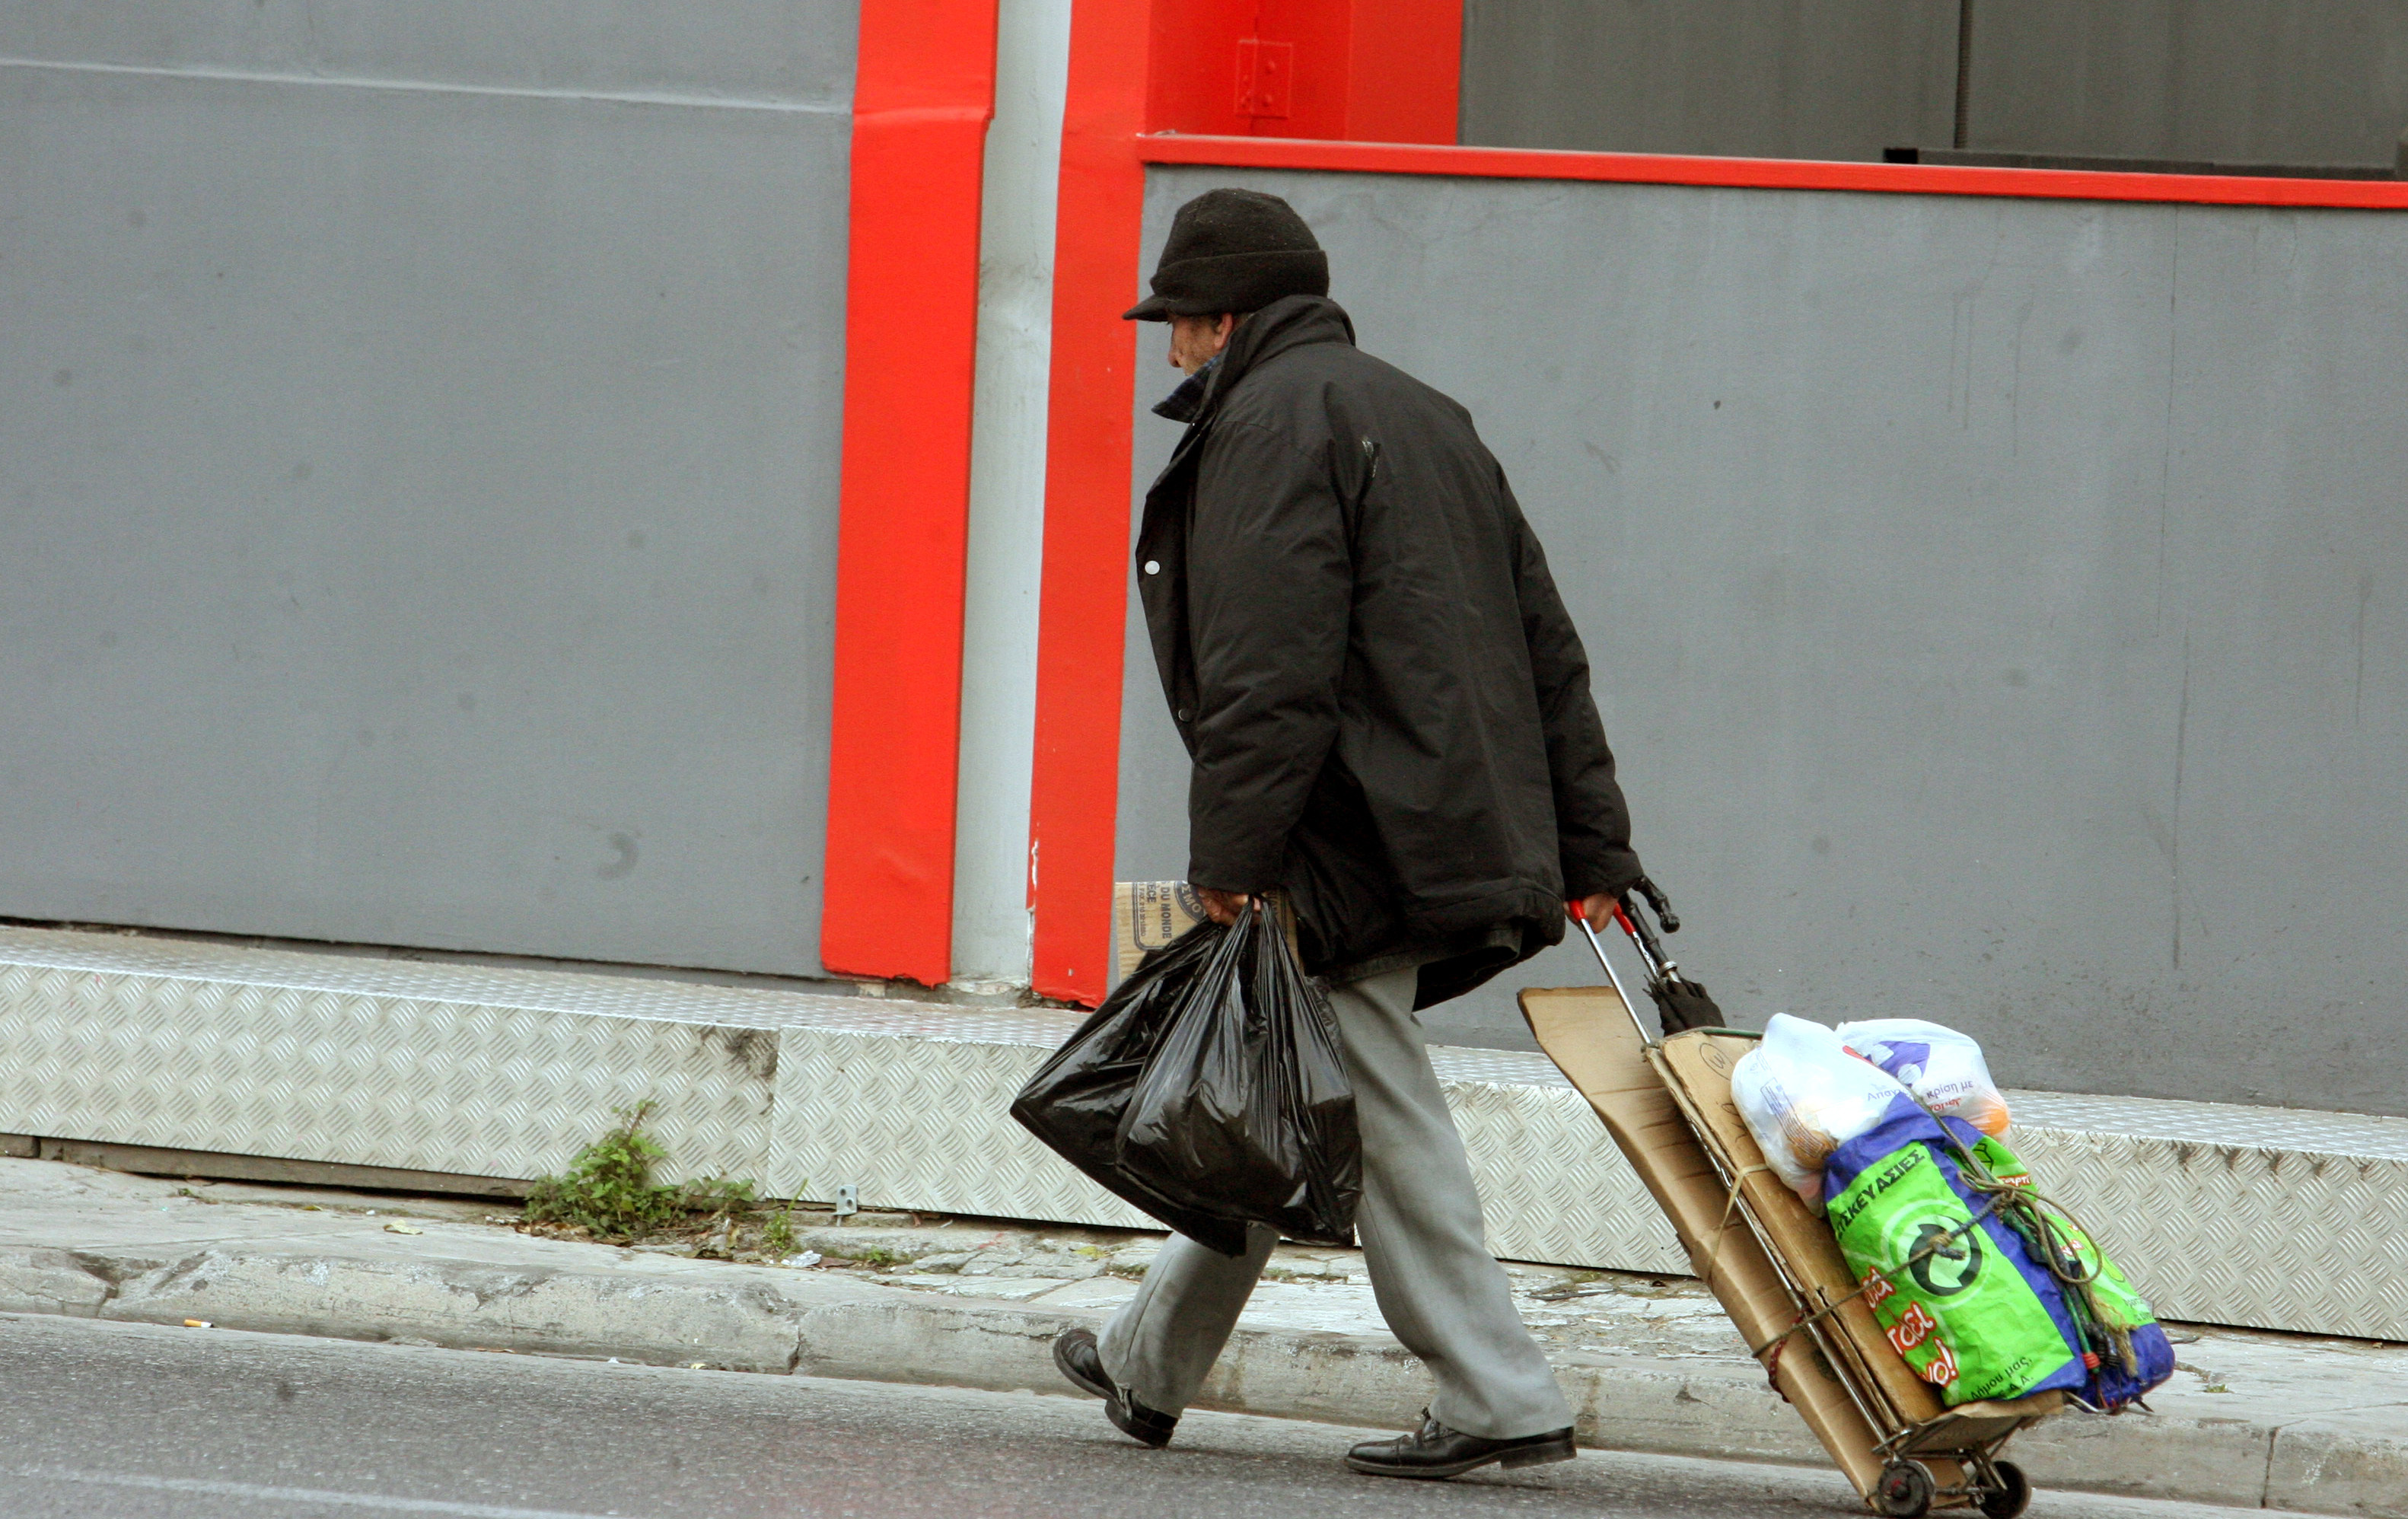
(1770,1260)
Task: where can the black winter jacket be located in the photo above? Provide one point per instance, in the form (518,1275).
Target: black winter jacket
(1386,705)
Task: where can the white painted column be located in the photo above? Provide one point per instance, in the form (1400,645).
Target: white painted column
(991,927)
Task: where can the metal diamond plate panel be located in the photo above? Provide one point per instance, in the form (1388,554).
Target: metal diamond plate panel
(2239,1233)
(1453,1062)
(1552,1186)
(201,1047)
(2216,1209)
(2217,1123)
(426,980)
(921,1123)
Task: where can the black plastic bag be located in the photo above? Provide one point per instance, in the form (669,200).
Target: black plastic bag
(1075,1101)
(1246,1107)
(1210,1091)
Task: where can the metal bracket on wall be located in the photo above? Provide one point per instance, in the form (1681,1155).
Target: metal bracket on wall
(848,1201)
(1265,73)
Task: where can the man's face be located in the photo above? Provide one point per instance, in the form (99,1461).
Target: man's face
(1194,340)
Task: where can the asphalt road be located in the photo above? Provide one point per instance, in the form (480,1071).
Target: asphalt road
(109,1421)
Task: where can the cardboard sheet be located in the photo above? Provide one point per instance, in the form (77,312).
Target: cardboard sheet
(1701,1064)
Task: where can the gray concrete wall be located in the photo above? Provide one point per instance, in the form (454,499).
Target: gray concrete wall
(1997,605)
(1767,79)
(2262,81)
(2244,81)
(419,463)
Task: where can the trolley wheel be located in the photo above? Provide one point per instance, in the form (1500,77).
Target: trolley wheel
(1905,1489)
(2013,1495)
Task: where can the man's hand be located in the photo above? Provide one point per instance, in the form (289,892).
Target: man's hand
(1222,906)
(1597,909)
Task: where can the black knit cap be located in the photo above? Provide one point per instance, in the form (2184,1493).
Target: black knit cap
(1233,250)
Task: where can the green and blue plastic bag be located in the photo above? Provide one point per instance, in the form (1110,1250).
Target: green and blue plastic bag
(1940,1224)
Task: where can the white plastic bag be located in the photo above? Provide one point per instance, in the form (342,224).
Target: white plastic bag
(1944,1068)
(1805,1095)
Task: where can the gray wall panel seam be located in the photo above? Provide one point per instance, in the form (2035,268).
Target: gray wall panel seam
(635,97)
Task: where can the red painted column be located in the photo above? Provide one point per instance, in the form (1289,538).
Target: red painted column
(923,94)
(1389,68)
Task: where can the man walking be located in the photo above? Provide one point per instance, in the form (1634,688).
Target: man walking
(1389,718)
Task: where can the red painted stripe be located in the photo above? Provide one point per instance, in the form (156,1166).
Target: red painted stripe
(1075,786)
(923,95)
(1768,174)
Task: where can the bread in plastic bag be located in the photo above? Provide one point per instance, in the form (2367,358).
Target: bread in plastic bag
(1944,1068)
(1803,1095)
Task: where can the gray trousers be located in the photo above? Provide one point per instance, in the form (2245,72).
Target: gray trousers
(1441,1291)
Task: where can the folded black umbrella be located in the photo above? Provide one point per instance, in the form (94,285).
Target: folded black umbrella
(1681,1004)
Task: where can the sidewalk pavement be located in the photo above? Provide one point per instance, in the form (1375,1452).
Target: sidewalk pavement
(2252,1420)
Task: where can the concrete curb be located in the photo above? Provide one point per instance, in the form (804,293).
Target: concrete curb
(745,1318)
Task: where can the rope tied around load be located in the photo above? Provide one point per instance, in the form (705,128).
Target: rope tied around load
(1731,1207)
(1936,1245)
(2019,1204)
(2024,1207)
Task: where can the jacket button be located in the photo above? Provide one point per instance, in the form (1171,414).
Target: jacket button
(1184,714)
(1153,567)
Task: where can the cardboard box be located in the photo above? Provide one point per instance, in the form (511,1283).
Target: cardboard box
(1147,915)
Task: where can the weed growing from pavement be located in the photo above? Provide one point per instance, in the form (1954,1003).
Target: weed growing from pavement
(777,1235)
(609,1194)
(609,1191)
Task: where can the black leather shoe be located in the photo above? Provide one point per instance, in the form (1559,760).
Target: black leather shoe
(1435,1451)
(1076,1357)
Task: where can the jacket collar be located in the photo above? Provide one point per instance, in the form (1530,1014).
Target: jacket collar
(1186,403)
(1290,321)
